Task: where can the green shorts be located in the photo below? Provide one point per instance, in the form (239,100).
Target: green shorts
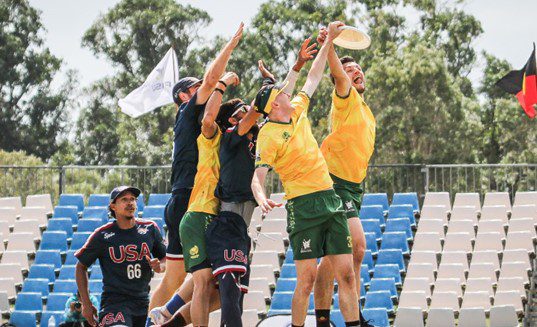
(192,232)
(317,225)
(351,194)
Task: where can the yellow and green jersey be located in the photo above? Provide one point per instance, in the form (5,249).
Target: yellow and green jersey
(293,152)
(351,142)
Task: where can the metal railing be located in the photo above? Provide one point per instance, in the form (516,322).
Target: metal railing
(389,178)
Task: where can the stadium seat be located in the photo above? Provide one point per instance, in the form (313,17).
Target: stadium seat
(427,242)
(420,284)
(456,257)
(379,299)
(79,238)
(524,211)
(276,213)
(70,258)
(479,285)
(399,225)
(56,301)
(96,212)
(67,272)
(420,270)
(156,211)
(445,300)
(509,298)
(140,205)
(70,212)
(288,271)
(281,301)
(472,317)
(517,255)
(270,242)
(65,286)
(39,200)
(21,242)
(249,318)
(462,226)
(503,316)
(12,202)
(497,198)
(424,257)
(364,275)
(28,226)
(395,240)
(489,256)
(42,271)
(384,284)
(372,226)
(458,242)
(373,212)
(8,214)
(467,199)
(76,200)
(392,256)
(376,316)
(444,284)
(464,213)
(437,199)
(4,228)
(266,258)
(371,243)
(259,284)
(96,272)
(407,198)
(409,317)
(12,270)
(515,269)
(23,318)
(4,302)
(493,226)
(440,317)
(388,271)
(45,316)
(498,212)
(89,225)
(480,299)
(95,286)
(37,213)
(413,299)
(61,224)
(8,286)
(30,301)
(275,226)
(256,300)
(54,240)
(402,211)
(156,199)
(480,270)
(36,285)
(99,200)
(489,241)
(376,199)
(520,240)
(431,226)
(263,271)
(368,260)
(286,284)
(289,256)
(515,283)
(278,197)
(52,257)
(521,225)
(17,257)
(522,198)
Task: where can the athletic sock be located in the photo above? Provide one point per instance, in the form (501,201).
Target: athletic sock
(175,303)
(352,323)
(323,317)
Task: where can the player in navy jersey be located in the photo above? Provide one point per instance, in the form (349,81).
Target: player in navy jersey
(128,249)
(190,95)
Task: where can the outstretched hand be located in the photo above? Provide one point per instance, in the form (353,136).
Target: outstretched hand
(323,33)
(265,73)
(306,50)
(230,78)
(334,29)
(237,37)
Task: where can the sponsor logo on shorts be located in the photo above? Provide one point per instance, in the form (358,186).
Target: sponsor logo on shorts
(194,252)
(108,235)
(349,207)
(110,318)
(306,246)
(235,255)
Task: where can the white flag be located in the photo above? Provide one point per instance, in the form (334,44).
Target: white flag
(156,90)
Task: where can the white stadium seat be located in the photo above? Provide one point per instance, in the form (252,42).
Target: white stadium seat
(28,226)
(431,226)
(440,317)
(417,284)
(21,241)
(448,285)
(263,271)
(476,300)
(525,211)
(520,240)
(467,199)
(408,317)
(503,316)
(12,202)
(437,198)
(509,298)
(427,242)
(479,285)
(452,270)
(522,198)
(489,241)
(40,200)
(488,256)
(486,226)
(458,242)
(270,242)
(497,198)
(498,212)
(255,300)
(266,258)
(413,299)
(37,213)
(17,257)
(456,257)
(424,257)
(483,270)
(445,300)
(472,317)
(515,283)
(464,213)
(8,214)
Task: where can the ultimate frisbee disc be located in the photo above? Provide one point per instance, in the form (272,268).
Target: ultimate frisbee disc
(353,38)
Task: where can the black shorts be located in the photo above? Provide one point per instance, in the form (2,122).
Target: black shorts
(123,311)
(228,246)
(173,213)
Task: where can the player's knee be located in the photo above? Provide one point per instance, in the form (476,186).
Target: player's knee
(346,275)
(305,284)
(358,252)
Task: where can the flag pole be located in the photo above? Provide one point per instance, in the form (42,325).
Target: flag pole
(175,72)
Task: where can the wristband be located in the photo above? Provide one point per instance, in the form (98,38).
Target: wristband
(219,90)
(223,83)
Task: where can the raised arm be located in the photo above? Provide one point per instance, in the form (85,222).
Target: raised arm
(316,71)
(217,68)
(258,188)
(342,82)
(248,121)
(208,126)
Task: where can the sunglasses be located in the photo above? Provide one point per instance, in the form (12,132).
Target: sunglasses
(242,107)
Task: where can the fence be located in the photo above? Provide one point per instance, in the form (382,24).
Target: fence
(22,181)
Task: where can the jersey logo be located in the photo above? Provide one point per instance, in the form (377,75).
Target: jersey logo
(235,255)
(111,319)
(349,205)
(108,235)
(306,246)
(286,135)
(142,230)
(129,253)
(194,252)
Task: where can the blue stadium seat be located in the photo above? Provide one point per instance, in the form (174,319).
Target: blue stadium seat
(364,275)
(54,240)
(89,224)
(98,296)
(362,289)
(140,202)
(371,243)
(45,316)
(79,238)
(99,200)
(76,200)
(368,260)
(160,224)
(23,318)
(372,226)
(384,284)
(56,301)
(289,256)
(379,299)
(402,211)
(70,258)
(36,285)
(392,256)
(376,199)
(156,199)
(42,271)
(154,211)
(95,286)
(288,271)
(377,317)
(70,212)
(400,225)
(96,272)
(96,213)
(65,286)
(67,272)
(388,271)
(61,224)
(395,240)
(407,198)
(282,301)
(30,301)
(285,284)
(373,212)
(337,318)
(52,257)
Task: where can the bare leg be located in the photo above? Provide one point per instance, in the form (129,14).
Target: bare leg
(173,279)
(184,312)
(306,271)
(324,285)
(203,282)
(358,248)
(348,299)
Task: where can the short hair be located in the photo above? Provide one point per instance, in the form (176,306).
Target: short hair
(226,110)
(344,60)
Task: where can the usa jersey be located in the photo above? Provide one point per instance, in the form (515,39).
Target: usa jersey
(122,255)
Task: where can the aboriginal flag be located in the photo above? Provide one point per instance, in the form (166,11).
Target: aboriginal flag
(523,84)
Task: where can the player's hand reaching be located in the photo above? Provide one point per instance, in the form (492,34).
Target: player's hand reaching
(307,50)
(154,264)
(323,33)
(268,204)
(334,29)
(237,37)
(90,313)
(230,78)
(265,73)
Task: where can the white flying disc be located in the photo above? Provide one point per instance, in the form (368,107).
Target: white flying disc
(353,38)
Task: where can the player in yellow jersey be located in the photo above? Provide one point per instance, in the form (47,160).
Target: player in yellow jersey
(317,223)
(347,150)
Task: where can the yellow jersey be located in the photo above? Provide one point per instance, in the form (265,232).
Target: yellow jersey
(350,144)
(293,152)
(202,198)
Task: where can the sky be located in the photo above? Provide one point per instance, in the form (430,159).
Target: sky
(509,29)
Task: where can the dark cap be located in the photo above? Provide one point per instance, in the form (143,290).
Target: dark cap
(265,97)
(184,84)
(121,189)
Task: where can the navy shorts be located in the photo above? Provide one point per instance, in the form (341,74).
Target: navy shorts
(228,246)
(123,311)
(173,213)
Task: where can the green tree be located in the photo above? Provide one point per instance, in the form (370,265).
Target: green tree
(33,115)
